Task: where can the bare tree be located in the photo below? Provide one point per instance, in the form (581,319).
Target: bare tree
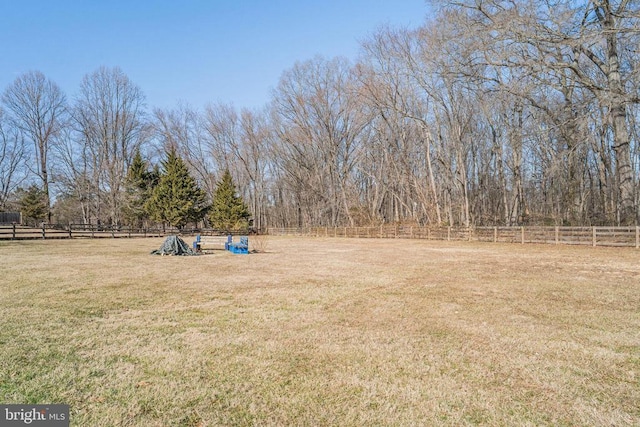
(238,142)
(254,156)
(183,130)
(109,117)
(38,107)
(575,47)
(319,128)
(222,130)
(418,71)
(403,165)
(12,158)
(74,171)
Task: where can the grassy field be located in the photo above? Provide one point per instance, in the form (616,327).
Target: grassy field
(340,332)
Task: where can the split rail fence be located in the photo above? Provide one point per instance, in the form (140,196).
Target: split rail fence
(54,231)
(72,231)
(589,236)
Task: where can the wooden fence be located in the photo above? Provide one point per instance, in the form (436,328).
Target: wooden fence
(93,231)
(54,231)
(591,236)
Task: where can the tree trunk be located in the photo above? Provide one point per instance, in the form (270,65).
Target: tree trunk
(618,111)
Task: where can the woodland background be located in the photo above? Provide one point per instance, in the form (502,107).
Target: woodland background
(492,112)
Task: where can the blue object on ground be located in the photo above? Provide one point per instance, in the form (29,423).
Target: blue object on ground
(239,248)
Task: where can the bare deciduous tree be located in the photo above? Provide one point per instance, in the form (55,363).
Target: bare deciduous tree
(12,158)
(319,129)
(571,45)
(183,130)
(38,107)
(109,115)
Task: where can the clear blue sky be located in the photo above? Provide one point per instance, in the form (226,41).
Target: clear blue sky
(190,51)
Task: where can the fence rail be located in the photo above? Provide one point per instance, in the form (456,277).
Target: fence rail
(588,236)
(54,231)
(94,231)
(21,232)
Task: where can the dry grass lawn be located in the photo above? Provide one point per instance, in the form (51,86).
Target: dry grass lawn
(337,332)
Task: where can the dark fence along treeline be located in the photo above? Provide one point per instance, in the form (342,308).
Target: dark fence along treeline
(71,231)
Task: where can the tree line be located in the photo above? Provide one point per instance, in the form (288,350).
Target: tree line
(491,112)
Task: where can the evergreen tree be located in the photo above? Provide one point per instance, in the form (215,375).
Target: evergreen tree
(139,185)
(176,199)
(228,211)
(33,203)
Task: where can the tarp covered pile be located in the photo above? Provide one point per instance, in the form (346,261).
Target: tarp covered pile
(174,245)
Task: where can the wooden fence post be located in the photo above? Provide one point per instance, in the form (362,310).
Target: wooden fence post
(557,234)
(448,234)
(495,234)
(637,237)
(44,232)
(522,235)
(593,236)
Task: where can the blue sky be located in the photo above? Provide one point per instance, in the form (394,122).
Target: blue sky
(188,51)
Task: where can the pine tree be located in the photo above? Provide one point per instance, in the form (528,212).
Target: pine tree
(33,203)
(139,185)
(177,199)
(229,211)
